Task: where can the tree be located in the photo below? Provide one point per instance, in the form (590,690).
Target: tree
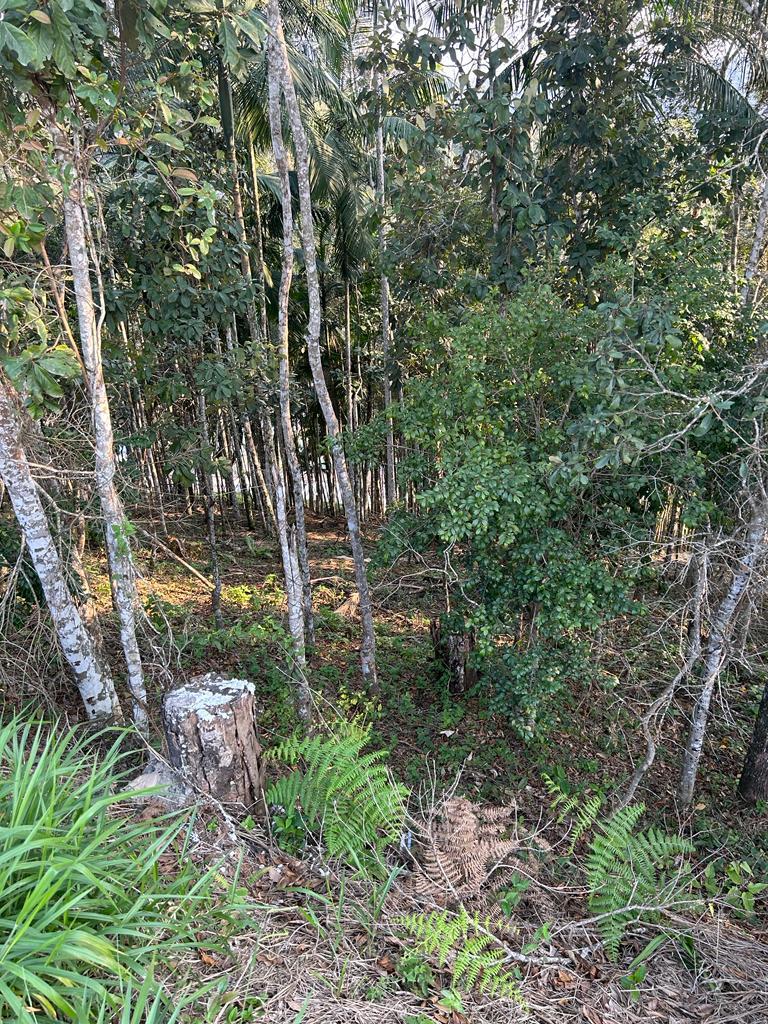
(42,62)
(91,673)
(279,55)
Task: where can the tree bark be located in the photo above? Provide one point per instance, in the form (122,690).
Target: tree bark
(757,245)
(226,108)
(117,538)
(286,277)
(753,784)
(349,393)
(279,51)
(381,198)
(260,275)
(207,482)
(293,589)
(651,720)
(91,673)
(211,732)
(716,650)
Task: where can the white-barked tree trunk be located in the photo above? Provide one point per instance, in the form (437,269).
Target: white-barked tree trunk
(91,673)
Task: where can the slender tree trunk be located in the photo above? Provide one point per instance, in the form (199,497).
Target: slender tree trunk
(251,453)
(348,358)
(242,472)
(753,784)
(716,650)
(258,471)
(651,720)
(279,53)
(381,198)
(91,673)
(260,276)
(117,537)
(227,112)
(293,586)
(207,488)
(227,120)
(286,276)
(228,474)
(757,245)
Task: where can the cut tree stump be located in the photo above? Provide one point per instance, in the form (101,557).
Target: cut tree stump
(211,731)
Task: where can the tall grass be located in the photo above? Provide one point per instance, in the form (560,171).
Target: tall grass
(84,907)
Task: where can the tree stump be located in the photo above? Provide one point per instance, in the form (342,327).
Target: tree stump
(453,651)
(211,732)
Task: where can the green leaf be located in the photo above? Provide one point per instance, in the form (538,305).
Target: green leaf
(228,41)
(169,140)
(61,362)
(251,26)
(18,42)
(536,214)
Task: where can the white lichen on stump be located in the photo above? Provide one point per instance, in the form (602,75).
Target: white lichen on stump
(211,731)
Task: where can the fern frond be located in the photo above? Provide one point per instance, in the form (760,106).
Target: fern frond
(584,811)
(344,795)
(633,876)
(476,954)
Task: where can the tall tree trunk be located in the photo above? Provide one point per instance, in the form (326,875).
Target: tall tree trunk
(260,276)
(242,469)
(348,358)
(651,720)
(251,455)
(226,108)
(381,198)
(91,673)
(758,243)
(118,544)
(753,784)
(279,53)
(716,649)
(263,488)
(210,521)
(286,277)
(228,122)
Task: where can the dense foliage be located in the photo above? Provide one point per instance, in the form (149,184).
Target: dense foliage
(480,287)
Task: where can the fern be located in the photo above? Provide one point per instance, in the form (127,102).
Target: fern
(584,811)
(477,956)
(626,870)
(633,876)
(342,794)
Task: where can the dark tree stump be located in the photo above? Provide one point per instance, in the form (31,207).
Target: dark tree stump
(211,732)
(453,651)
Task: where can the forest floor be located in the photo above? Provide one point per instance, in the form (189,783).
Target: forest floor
(309,953)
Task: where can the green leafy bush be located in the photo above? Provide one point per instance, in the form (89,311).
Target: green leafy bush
(486,424)
(83,905)
(347,797)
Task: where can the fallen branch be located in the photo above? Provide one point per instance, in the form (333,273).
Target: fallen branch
(190,568)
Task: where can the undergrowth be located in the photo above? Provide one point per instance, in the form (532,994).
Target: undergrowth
(84,905)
